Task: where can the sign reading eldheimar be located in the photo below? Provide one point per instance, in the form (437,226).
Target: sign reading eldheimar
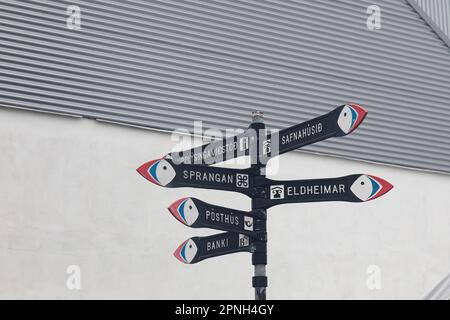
(246,231)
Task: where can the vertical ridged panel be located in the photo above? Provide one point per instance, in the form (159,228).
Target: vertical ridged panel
(439,12)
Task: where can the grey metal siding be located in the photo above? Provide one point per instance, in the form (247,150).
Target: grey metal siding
(163,64)
(439,12)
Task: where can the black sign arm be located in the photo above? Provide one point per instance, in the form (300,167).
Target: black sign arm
(206,177)
(215,151)
(164,172)
(339,122)
(197,249)
(195,213)
(352,188)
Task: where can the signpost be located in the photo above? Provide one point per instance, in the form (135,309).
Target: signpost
(246,231)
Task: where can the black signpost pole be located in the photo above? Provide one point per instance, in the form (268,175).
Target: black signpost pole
(247,231)
(259,256)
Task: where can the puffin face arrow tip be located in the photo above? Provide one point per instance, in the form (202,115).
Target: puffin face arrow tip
(385,186)
(158,171)
(185,211)
(368,187)
(351,117)
(143,170)
(186,251)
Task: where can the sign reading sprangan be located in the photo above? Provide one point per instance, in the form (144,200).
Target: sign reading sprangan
(240,180)
(208,176)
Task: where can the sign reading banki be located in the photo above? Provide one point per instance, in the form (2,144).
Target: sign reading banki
(246,231)
(198,214)
(197,249)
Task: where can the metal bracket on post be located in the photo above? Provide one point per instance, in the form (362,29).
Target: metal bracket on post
(259,255)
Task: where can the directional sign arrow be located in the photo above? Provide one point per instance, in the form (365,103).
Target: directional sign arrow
(352,188)
(196,249)
(164,172)
(216,151)
(339,122)
(195,213)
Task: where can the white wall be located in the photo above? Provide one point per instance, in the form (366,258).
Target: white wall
(69,194)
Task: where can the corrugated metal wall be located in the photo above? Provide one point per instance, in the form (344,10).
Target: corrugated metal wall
(439,12)
(163,64)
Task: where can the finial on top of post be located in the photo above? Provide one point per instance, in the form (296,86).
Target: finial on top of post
(257,116)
